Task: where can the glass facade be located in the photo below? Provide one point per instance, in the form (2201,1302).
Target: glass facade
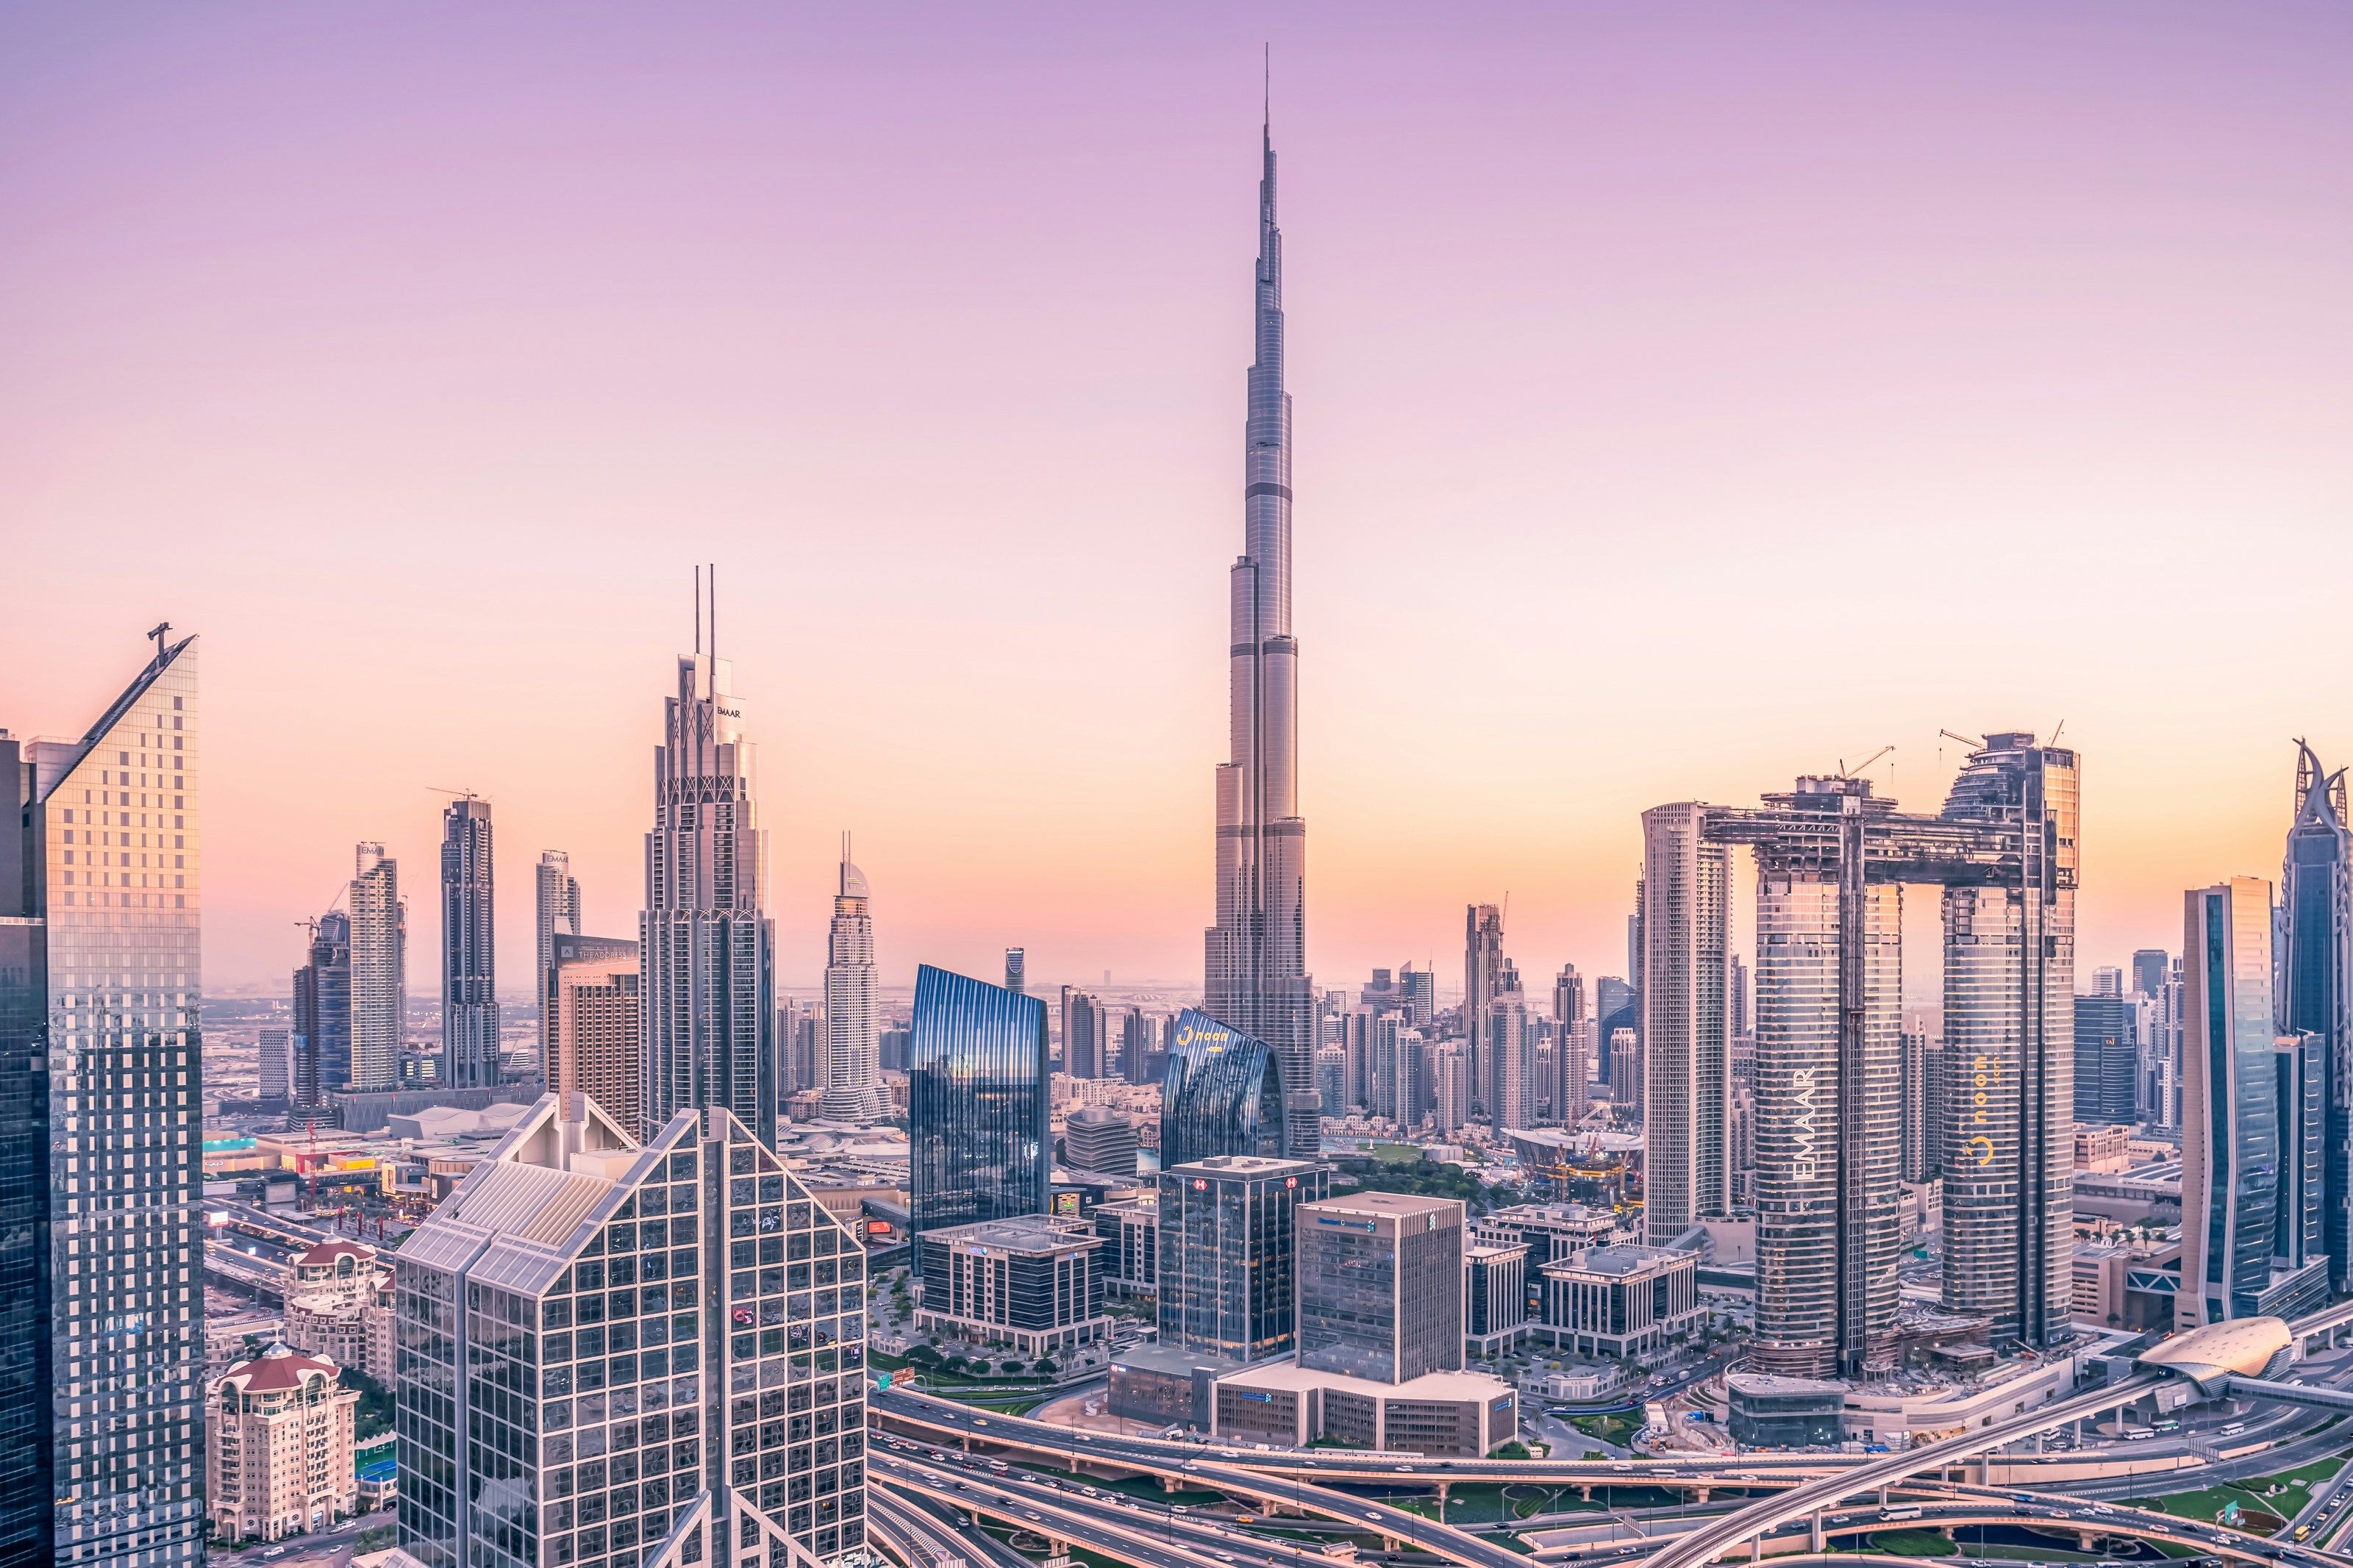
(470,998)
(323,1017)
(1229,1254)
(2231,1176)
(1380,1286)
(580,1355)
(2315,979)
(101,954)
(978,1102)
(1223,1094)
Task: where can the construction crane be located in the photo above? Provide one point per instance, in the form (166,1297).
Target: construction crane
(1847,773)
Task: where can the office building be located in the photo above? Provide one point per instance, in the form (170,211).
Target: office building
(1254,958)
(1611,1302)
(979,1104)
(103,1455)
(1482,961)
(1572,1053)
(1330,1077)
(378,968)
(279,1436)
(2150,965)
(323,1018)
(600,1035)
(707,939)
(1626,1070)
(469,1001)
(1921,1102)
(1099,1139)
(1130,1229)
(853,1017)
(1082,1034)
(1420,988)
(1495,1299)
(2315,977)
(1229,1254)
(2252,1230)
(556,907)
(1510,1054)
(1138,1044)
(605,1344)
(1441,1414)
(1399,1072)
(567,948)
(2107,1057)
(1615,1007)
(1380,1286)
(274,1066)
(1223,1094)
(1031,1283)
(1017,970)
(1685,899)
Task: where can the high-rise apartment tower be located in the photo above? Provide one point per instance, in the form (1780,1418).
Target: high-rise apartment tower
(470,1000)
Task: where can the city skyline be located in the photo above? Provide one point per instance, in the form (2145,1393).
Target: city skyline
(1659,409)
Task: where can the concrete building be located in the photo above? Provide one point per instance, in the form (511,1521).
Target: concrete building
(280,1438)
(1630,1301)
(853,1019)
(1482,962)
(1550,1231)
(274,1066)
(1449,1074)
(1380,1286)
(1131,1234)
(1446,1414)
(600,1033)
(1100,1139)
(378,968)
(607,1344)
(1511,1053)
(1030,1283)
(1572,1055)
(1686,1080)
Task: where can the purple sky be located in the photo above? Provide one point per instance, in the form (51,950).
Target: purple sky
(1687,397)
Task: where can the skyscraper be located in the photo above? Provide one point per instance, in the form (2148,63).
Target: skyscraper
(1421,989)
(1572,1054)
(1017,970)
(1450,1089)
(1483,957)
(707,939)
(2150,965)
(2251,1228)
(1380,1286)
(1684,898)
(378,968)
(2316,979)
(1511,1070)
(1255,957)
(978,1105)
(1229,1253)
(2107,1059)
(1082,1034)
(1223,1094)
(600,1033)
(102,1271)
(853,1017)
(323,1018)
(556,911)
(470,998)
(274,1068)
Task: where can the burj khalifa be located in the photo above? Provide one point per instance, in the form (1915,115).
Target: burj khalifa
(1255,978)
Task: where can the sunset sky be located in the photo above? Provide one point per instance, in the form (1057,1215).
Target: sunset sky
(1687,397)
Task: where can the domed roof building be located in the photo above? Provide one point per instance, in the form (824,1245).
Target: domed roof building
(280,1431)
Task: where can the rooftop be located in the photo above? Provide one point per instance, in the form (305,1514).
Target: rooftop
(1028,1233)
(1240,1165)
(277,1370)
(1621,1260)
(1385,1205)
(1451,1385)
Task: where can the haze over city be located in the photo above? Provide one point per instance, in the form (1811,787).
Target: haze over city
(1690,397)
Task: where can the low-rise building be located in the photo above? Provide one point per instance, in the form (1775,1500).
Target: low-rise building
(279,1434)
(1030,1282)
(1452,1415)
(1626,1300)
(1768,1411)
(1549,1231)
(2103,1148)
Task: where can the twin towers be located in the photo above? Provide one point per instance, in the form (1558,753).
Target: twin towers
(1832,863)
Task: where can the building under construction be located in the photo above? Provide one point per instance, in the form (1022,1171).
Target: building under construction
(1833,860)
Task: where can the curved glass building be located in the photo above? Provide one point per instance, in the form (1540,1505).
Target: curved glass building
(1223,1095)
(977,1102)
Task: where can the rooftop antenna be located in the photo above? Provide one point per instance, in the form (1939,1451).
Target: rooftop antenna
(1266,112)
(714,609)
(161,628)
(698,609)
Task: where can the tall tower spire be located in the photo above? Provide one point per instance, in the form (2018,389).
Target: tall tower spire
(1255,956)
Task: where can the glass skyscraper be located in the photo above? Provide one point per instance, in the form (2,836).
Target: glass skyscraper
(978,1102)
(101,1285)
(2315,979)
(470,1000)
(322,1017)
(1229,1254)
(1223,1094)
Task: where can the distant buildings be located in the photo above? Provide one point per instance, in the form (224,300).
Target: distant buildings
(1572,1048)
(707,938)
(583,1364)
(274,1066)
(1450,1072)
(1482,962)
(1223,1095)
(469,1001)
(378,968)
(1017,970)
(979,1104)
(2107,1059)
(1083,1048)
(1510,1054)
(279,1433)
(1686,1081)
(853,1020)
(103,1441)
(556,910)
